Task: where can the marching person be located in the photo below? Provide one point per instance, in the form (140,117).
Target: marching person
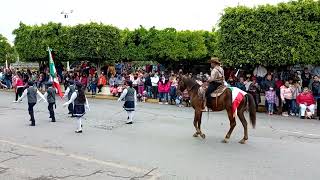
(216,79)
(50,95)
(70,90)
(31,92)
(80,104)
(130,96)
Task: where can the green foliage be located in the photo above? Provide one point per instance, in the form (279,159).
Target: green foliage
(287,33)
(6,51)
(99,42)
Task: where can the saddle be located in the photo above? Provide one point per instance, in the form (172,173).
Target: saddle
(215,93)
(218,91)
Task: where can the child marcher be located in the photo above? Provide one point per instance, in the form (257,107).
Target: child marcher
(130,96)
(50,95)
(80,104)
(31,92)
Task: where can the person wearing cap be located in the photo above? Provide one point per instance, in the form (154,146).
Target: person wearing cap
(216,78)
(50,95)
(70,90)
(31,92)
(80,104)
(130,97)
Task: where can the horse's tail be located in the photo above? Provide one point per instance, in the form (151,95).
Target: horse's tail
(252,110)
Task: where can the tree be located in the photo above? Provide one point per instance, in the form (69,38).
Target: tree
(6,51)
(284,34)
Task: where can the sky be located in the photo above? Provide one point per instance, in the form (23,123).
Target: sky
(180,14)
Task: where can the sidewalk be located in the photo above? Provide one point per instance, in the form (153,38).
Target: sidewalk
(97,96)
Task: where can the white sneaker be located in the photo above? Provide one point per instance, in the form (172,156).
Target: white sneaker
(166,103)
(160,103)
(285,114)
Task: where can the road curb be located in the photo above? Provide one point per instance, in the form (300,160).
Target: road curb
(98,96)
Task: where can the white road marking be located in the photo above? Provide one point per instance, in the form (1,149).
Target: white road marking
(83,158)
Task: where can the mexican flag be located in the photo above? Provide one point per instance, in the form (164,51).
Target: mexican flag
(237,97)
(53,74)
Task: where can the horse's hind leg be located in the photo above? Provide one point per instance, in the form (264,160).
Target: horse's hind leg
(245,126)
(232,125)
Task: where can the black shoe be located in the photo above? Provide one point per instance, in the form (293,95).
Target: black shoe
(32,125)
(129,122)
(69,112)
(77,131)
(302,117)
(53,120)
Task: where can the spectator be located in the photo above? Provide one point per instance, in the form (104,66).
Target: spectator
(148,85)
(268,83)
(315,87)
(173,88)
(286,97)
(254,90)
(101,82)
(260,72)
(296,89)
(306,101)
(19,86)
(241,84)
(271,100)
(154,81)
(306,78)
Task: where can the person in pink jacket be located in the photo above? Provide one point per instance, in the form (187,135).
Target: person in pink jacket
(163,89)
(286,97)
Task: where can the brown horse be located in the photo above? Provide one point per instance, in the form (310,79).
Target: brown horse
(224,101)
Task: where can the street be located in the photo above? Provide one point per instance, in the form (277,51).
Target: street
(159,145)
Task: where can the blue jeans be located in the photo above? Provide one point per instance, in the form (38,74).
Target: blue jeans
(163,95)
(149,93)
(270,107)
(8,83)
(93,88)
(294,107)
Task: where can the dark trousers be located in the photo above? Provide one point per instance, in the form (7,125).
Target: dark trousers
(287,105)
(211,88)
(51,111)
(19,92)
(70,108)
(99,87)
(155,92)
(318,107)
(31,113)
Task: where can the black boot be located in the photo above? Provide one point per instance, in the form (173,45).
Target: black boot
(302,117)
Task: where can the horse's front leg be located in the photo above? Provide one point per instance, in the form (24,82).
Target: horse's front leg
(195,124)
(199,124)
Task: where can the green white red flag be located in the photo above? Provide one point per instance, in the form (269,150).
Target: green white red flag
(53,74)
(237,97)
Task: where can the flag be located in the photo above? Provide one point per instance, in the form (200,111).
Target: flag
(53,74)
(237,97)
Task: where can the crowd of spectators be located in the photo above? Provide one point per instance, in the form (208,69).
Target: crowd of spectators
(289,92)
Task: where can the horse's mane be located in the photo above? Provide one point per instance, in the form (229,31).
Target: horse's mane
(191,84)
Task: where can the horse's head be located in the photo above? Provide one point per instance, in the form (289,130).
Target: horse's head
(181,83)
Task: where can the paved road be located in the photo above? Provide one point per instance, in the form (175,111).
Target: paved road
(159,145)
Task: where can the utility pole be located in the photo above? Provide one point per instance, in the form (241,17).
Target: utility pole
(66,17)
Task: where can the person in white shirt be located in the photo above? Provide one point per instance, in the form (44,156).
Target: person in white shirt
(154,81)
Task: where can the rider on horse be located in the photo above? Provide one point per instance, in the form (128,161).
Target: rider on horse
(216,79)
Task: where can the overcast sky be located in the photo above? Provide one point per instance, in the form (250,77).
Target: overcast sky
(180,14)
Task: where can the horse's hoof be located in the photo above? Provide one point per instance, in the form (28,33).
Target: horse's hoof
(195,135)
(225,141)
(203,136)
(242,141)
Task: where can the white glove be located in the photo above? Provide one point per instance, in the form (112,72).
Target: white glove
(87,107)
(65,105)
(119,100)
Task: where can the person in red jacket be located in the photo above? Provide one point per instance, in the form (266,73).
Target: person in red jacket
(306,101)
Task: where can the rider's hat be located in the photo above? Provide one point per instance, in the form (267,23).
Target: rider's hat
(214,60)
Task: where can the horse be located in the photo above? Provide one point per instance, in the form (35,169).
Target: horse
(224,101)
